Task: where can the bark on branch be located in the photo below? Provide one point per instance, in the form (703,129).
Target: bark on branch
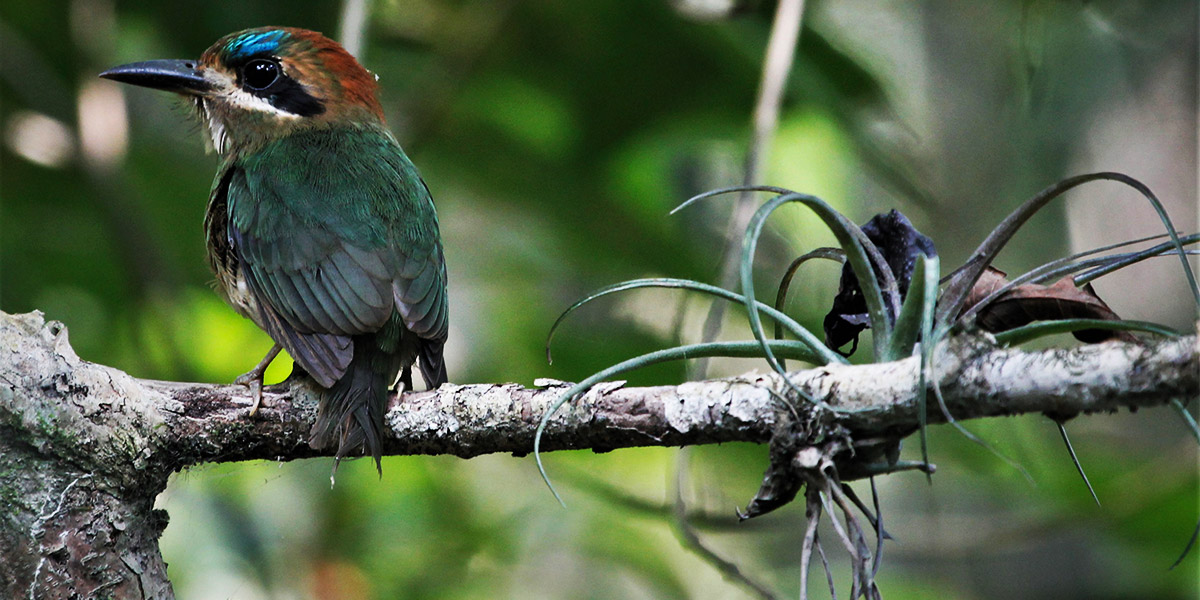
(85,449)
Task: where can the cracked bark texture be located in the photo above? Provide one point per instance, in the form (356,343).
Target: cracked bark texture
(85,449)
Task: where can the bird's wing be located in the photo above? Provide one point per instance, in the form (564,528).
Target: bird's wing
(335,231)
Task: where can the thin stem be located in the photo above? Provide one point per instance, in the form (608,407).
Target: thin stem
(781,49)
(354,24)
(691,540)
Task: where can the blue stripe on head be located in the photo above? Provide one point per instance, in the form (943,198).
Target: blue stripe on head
(258,42)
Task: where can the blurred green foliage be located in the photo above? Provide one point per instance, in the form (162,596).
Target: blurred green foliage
(555,137)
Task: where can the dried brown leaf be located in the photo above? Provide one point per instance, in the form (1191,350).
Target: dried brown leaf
(1031,302)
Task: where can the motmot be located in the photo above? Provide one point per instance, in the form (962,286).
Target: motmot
(319,228)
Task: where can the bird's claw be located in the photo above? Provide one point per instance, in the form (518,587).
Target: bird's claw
(254,381)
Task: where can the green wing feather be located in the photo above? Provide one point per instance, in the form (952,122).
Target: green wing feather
(335,232)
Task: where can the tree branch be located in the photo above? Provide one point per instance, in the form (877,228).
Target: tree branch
(85,449)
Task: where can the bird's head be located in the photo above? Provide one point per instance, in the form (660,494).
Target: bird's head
(260,84)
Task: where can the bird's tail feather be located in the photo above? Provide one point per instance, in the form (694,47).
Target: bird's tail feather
(433,364)
(350,414)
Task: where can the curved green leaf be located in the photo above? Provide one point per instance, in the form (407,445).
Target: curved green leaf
(841,229)
(729,190)
(1062,429)
(781,319)
(1135,257)
(1094,267)
(1187,418)
(960,285)
(919,305)
(785,284)
(937,393)
(1032,331)
(928,269)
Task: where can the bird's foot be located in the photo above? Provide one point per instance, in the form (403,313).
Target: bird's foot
(253,378)
(253,381)
(405,383)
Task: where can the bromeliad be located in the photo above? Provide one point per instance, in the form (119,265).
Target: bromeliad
(319,228)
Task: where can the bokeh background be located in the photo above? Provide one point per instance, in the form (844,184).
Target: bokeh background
(555,137)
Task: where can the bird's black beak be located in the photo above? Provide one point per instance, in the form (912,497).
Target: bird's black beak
(180,76)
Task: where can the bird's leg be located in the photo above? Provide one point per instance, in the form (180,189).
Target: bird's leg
(253,378)
(405,384)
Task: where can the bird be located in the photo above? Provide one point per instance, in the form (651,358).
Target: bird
(319,228)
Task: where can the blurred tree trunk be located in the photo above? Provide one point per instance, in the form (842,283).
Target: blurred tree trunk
(86,449)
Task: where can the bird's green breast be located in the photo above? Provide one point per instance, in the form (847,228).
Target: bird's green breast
(332,228)
(355,182)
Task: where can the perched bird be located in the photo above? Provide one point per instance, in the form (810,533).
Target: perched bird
(319,228)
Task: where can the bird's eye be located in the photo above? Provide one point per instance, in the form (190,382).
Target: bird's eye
(259,74)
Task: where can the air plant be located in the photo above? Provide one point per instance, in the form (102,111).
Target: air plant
(891,284)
